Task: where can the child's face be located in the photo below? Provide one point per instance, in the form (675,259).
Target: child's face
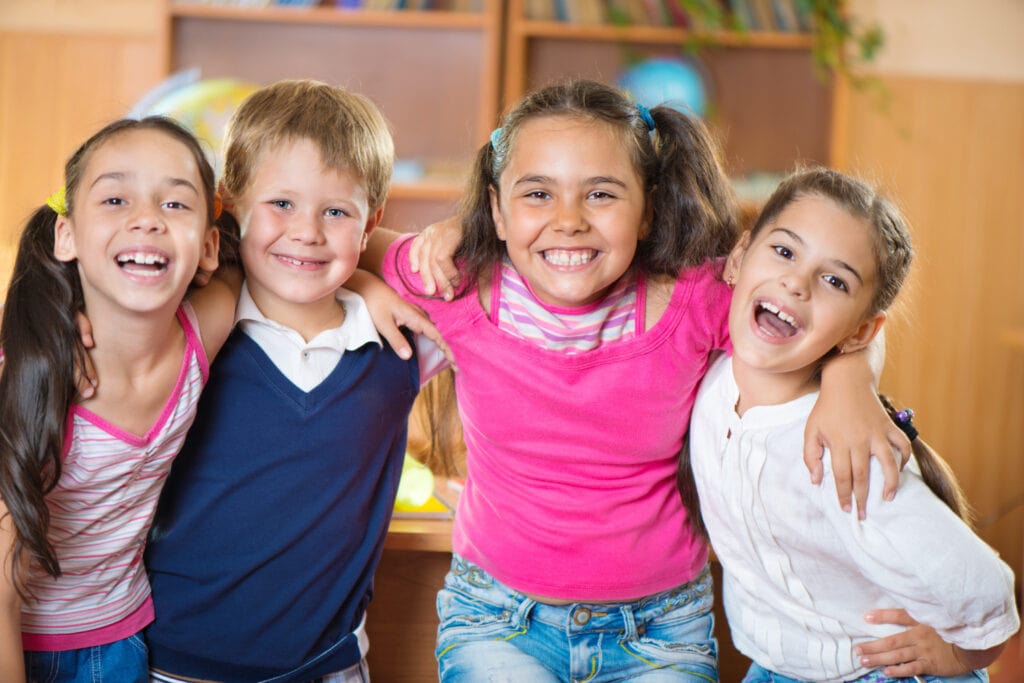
(803,286)
(139,229)
(571,208)
(303,227)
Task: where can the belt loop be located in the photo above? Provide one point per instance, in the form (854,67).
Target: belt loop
(629,622)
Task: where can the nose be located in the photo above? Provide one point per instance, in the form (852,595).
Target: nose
(304,229)
(795,282)
(147,219)
(569,218)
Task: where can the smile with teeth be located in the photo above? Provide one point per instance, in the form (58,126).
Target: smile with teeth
(140,262)
(569,257)
(300,263)
(773,321)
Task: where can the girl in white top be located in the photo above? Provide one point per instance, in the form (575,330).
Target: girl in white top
(80,475)
(813,278)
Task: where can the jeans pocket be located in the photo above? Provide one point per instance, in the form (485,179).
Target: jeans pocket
(679,639)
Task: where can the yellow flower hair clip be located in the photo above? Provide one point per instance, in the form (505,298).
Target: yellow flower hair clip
(58,202)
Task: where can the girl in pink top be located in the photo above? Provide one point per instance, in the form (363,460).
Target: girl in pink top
(80,475)
(591,303)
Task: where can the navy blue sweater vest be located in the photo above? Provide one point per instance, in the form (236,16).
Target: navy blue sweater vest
(273,517)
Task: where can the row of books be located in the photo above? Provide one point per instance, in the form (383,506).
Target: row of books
(752,15)
(375,5)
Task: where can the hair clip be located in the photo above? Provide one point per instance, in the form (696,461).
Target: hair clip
(58,202)
(904,419)
(495,138)
(645,114)
(218,205)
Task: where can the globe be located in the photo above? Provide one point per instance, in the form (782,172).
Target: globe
(204,107)
(664,80)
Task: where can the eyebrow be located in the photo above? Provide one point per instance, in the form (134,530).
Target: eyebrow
(596,180)
(839,262)
(120,176)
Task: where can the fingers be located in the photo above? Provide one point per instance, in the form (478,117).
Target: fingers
(892,461)
(890,616)
(843,475)
(813,453)
(420,323)
(85,377)
(393,334)
(446,277)
(860,470)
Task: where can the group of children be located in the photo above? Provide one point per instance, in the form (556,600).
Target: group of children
(603,295)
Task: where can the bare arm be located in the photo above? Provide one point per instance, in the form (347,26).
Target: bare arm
(850,420)
(12,666)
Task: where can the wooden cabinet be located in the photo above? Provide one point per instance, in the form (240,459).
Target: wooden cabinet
(434,74)
(767,103)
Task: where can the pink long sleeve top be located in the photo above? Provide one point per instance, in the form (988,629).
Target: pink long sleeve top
(571,458)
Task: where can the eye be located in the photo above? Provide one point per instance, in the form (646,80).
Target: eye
(783,251)
(836,282)
(336,213)
(600,194)
(173,204)
(281,203)
(537,194)
(114,201)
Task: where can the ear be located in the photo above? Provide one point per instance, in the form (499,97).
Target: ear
(371,223)
(209,256)
(735,259)
(64,240)
(499,224)
(864,333)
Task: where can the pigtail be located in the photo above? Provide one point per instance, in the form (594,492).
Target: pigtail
(695,214)
(935,471)
(480,245)
(42,347)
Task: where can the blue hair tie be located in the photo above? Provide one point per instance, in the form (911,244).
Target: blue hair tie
(645,114)
(495,138)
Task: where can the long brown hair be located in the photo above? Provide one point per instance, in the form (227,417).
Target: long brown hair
(42,347)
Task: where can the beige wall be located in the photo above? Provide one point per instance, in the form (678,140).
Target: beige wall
(949,144)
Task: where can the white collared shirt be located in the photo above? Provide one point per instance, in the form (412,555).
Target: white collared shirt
(307,364)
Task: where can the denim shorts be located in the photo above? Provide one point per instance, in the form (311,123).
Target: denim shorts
(489,632)
(758,674)
(123,661)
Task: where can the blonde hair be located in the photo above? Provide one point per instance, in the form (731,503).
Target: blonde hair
(349,130)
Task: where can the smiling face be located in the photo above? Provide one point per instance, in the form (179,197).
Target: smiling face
(803,286)
(570,208)
(139,229)
(303,228)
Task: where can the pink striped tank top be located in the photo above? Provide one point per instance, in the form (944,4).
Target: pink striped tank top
(100,513)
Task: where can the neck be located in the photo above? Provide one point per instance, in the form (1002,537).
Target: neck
(133,342)
(308,319)
(758,387)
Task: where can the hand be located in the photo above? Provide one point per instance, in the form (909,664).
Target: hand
(849,419)
(86,380)
(431,255)
(390,312)
(916,651)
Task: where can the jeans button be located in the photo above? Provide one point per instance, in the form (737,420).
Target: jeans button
(581,616)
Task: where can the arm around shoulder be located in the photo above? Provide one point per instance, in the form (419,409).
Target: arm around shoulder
(214,305)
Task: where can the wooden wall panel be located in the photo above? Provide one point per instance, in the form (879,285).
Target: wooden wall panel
(55,90)
(952,153)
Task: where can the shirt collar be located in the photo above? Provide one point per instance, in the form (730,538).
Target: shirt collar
(356,330)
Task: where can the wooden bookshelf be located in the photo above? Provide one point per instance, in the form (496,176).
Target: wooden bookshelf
(752,76)
(434,73)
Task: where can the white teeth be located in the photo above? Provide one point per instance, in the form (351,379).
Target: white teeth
(142,259)
(565,257)
(784,317)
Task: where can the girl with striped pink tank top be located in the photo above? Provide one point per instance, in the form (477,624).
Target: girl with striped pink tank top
(80,473)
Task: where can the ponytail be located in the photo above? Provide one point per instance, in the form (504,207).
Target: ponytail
(936,472)
(695,214)
(41,345)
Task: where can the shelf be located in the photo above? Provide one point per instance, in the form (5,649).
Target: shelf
(431,535)
(666,35)
(334,16)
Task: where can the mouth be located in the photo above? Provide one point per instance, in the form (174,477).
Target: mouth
(569,257)
(773,321)
(146,263)
(299,262)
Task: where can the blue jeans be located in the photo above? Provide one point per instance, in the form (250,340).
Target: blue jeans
(489,632)
(123,661)
(758,674)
